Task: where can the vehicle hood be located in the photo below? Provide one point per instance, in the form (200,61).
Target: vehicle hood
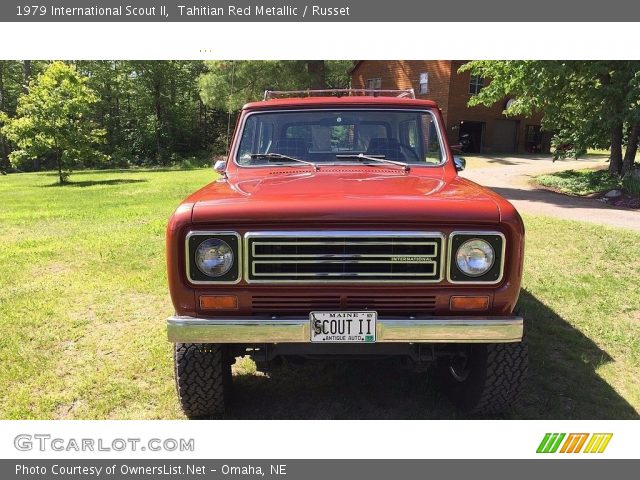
(344,195)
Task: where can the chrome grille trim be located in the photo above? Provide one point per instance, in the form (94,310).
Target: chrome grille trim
(254,240)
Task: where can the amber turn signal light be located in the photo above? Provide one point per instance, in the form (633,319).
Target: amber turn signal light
(218,302)
(469,303)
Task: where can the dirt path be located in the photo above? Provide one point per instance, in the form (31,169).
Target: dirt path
(511,177)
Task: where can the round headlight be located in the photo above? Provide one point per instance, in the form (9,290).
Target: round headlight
(475,257)
(214,257)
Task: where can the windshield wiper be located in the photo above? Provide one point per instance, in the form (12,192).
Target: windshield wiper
(279,156)
(374,158)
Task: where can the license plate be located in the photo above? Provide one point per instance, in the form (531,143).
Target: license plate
(343,327)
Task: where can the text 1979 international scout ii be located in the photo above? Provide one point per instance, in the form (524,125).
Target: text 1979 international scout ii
(339,226)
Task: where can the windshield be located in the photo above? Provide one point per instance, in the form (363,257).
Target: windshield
(338,136)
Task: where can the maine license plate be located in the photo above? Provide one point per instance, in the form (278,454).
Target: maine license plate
(343,327)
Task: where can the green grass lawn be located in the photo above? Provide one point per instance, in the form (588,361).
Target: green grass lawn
(580,182)
(83,300)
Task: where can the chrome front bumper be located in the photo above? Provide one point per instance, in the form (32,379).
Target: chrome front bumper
(296,330)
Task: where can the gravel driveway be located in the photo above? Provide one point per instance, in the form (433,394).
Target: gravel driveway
(511,177)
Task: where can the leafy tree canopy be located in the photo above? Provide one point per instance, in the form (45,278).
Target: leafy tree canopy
(587,104)
(54,119)
(230,84)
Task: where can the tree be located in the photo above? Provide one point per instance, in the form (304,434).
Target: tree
(587,104)
(53,118)
(227,85)
(10,88)
(230,84)
(150,109)
(144,112)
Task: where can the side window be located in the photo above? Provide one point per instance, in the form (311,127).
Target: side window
(374,83)
(431,143)
(424,83)
(265,137)
(257,138)
(409,133)
(410,139)
(248,141)
(421,136)
(476,83)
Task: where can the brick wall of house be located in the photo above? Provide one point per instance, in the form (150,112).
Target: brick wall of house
(459,112)
(401,74)
(450,90)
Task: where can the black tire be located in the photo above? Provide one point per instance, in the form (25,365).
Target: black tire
(489,380)
(203,378)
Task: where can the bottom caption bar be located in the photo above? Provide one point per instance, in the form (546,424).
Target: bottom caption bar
(313,469)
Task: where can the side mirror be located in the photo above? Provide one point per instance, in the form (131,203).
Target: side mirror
(460,163)
(220,166)
(458,147)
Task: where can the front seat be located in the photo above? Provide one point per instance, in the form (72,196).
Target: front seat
(389,147)
(292,147)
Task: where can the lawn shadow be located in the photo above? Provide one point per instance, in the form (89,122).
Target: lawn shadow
(563,378)
(499,159)
(339,389)
(562,384)
(512,159)
(92,183)
(51,173)
(542,195)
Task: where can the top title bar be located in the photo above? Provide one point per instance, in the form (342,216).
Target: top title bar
(318,11)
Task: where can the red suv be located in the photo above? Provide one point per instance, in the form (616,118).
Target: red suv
(339,227)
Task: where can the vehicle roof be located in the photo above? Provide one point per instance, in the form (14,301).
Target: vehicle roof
(339,102)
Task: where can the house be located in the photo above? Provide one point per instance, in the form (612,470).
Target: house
(480,129)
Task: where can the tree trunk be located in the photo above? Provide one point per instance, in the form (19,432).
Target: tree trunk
(632,149)
(118,122)
(4,156)
(1,85)
(158,132)
(158,111)
(26,75)
(26,78)
(615,164)
(316,71)
(59,163)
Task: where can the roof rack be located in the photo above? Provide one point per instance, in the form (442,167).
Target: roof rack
(340,92)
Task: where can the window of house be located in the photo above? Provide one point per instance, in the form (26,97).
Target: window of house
(476,83)
(424,82)
(374,83)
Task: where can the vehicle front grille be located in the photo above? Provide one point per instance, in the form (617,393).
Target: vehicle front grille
(285,303)
(279,304)
(395,304)
(349,257)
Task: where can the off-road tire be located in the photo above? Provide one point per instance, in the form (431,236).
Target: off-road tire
(203,378)
(496,375)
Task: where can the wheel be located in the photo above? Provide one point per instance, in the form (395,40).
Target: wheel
(203,378)
(487,378)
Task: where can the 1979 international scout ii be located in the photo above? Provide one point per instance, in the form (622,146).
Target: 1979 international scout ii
(339,226)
